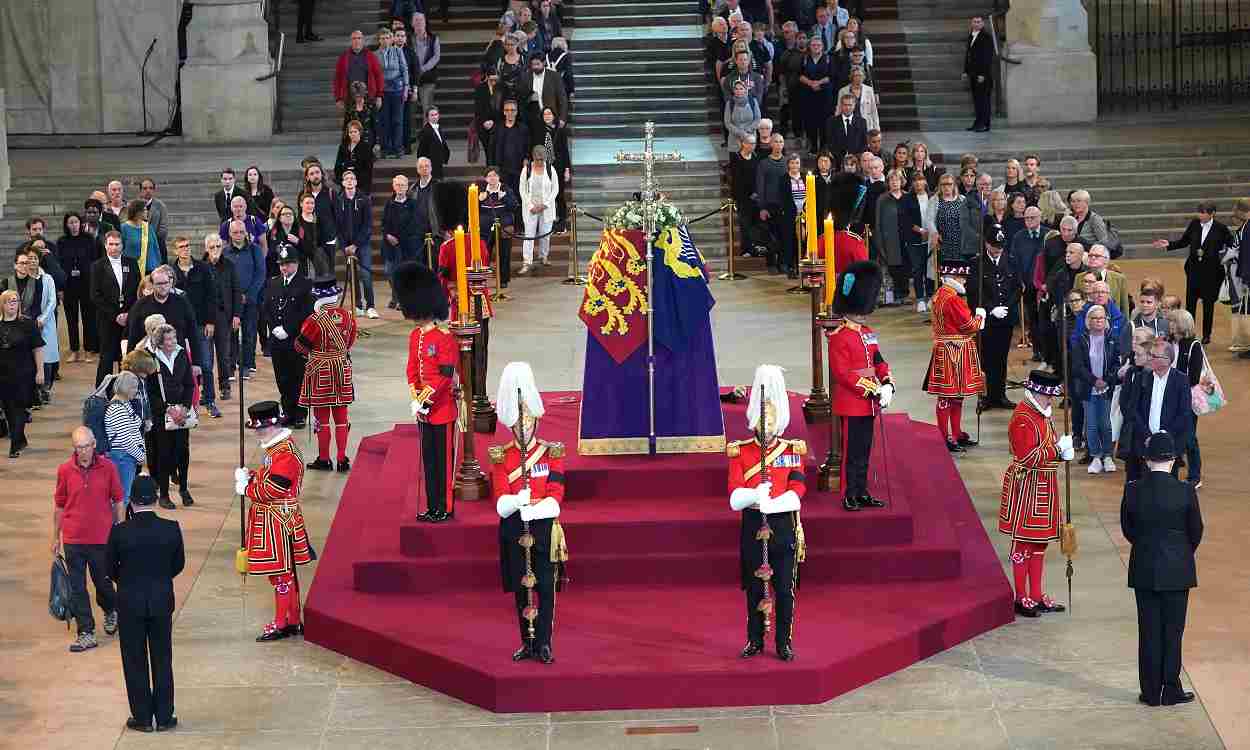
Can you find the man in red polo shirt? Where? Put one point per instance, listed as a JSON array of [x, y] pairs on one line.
[[88, 500]]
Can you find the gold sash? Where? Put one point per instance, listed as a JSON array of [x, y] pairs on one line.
[[534, 458], [768, 460]]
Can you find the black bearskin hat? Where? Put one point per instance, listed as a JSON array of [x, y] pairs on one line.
[[857, 290], [451, 200], [846, 200], [420, 295]]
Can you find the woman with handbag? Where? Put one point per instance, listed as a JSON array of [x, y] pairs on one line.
[[1191, 361], [171, 389], [21, 367]]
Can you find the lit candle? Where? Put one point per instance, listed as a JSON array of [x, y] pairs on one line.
[[831, 271], [462, 277], [475, 227], [809, 209]]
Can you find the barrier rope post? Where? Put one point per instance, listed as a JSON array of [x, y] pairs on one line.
[[429, 251], [500, 295], [574, 278], [732, 275]]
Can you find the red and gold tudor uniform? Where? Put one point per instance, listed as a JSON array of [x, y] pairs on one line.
[[277, 540], [955, 365], [326, 340], [1028, 509], [858, 373], [433, 353], [783, 469], [544, 462]]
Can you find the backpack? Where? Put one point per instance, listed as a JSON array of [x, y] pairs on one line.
[[93, 408], [59, 591]]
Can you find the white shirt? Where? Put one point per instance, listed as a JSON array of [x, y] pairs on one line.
[[438, 134], [973, 40], [1206, 229], [116, 265], [1156, 402], [538, 87]]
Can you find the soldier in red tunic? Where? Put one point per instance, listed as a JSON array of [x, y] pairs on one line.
[[1028, 511], [766, 484], [955, 366], [527, 481], [433, 353], [326, 339], [860, 376], [276, 538]]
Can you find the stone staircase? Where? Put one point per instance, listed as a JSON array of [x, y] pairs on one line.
[[637, 62]]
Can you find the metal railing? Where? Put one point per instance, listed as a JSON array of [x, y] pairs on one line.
[[1156, 56]]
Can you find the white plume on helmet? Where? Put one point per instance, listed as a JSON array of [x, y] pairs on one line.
[[517, 376], [769, 387]]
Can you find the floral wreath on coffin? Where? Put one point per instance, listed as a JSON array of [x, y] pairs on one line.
[[629, 215]]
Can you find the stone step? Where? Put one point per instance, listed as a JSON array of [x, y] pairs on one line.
[[624, 18], [584, 9], [623, 102], [630, 130], [671, 90], [626, 78]]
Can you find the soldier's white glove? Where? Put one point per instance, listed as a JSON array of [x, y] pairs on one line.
[[763, 492], [886, 394], [999, 312], [981, 314], [279, 333], [743, 498], [507, 505], [419, 409], [523, 498], [1066, 452], [242, 475]]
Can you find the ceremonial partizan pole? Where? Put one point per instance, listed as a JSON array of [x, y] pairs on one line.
[[240, 557], [1067, 533]]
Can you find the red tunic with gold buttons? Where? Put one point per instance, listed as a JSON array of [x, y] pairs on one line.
[[276, 538], [1028, 510], [326, 339], [783, 467], [545, 463], [854, 355], [432, 359], [447, 273], [848, 248], [955, 366]]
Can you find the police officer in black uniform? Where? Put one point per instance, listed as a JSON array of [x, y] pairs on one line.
[[145, 554], [288, 302], [1161, 519], [999, 294]]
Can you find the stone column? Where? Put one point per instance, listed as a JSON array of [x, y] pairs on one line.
[[227, 50], [4, 155], [1057, 78]]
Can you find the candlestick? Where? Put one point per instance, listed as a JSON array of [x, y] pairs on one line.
[[475, 227], [831, 269], [809, 210], [462, 279]]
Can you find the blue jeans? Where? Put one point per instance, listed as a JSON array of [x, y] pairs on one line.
[[246, 356], [127, 467], [918, 265], [392, 124], [1098, 424], [364, 275]]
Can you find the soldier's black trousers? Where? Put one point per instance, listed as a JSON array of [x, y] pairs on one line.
[[781, 558], [436, 451], [545, 589], [857, 450]]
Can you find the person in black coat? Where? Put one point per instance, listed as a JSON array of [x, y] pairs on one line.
[[112, 300], [1176, 413], [228, 316], [432, 144], [554, 137], [487, 102], [979, 72], [845, 132], [288, 303], [145, 555], [498, 202], [229, 191], [195, 280], [355, 154], [353, 214], [171, 391], [1206, 240], [168, 301], [999, 294], [1161, 519], [77, 250], [511, 146]]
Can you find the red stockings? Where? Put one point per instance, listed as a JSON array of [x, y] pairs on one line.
[[322, 416]]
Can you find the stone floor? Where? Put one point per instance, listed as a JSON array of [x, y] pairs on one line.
[[1063, 681]]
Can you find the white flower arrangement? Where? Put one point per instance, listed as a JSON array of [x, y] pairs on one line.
[[629, 216]]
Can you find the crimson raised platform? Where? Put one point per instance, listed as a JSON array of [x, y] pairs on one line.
[[653, 616]]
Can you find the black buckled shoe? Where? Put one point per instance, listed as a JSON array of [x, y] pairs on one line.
[[523, 653], [966, 441], [321, 464], [545, 656], [344, 465], [868, 501], [437, 516], [293, 630], [1027, 608], [424, 517], [1050, 605], [272, 633], [850, 503], [785, 652], [751, 649], [954, 447]]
